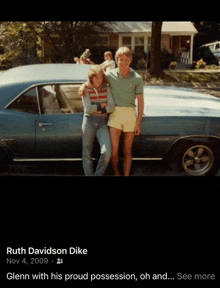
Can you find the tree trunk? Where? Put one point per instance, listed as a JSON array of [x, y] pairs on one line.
[[155, 65]]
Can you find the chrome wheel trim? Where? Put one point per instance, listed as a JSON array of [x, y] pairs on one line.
[[198, 160]]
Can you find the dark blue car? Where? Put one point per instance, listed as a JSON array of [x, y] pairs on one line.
[[41, 116]]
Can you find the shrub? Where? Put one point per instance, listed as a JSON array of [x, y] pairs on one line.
[[166, 58], [142, 64], [200, 64], [173, 65], [140, 60]]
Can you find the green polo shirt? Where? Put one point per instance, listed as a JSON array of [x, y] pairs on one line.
[[125, 90]]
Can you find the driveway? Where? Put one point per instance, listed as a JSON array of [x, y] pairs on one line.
[[139, 168]]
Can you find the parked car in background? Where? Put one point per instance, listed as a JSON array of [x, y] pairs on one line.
[[41, 115], [210, 53]]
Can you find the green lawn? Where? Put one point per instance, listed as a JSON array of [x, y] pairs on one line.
[[185, 76], [197, 76]]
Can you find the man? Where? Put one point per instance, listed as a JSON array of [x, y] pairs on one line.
[[126, 85]]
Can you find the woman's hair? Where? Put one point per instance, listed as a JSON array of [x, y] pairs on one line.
[[108, 53], [93, 71], [123, 50]]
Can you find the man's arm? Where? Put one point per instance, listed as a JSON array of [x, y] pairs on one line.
[[137, 129], [83, 89]]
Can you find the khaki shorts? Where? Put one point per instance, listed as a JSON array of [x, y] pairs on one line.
[[123, 118]]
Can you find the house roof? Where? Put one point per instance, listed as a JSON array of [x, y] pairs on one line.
[[130, 27], [143, 27], [178, 27]]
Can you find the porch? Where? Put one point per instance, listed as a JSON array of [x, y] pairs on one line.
[[181, 46], [185, 57]]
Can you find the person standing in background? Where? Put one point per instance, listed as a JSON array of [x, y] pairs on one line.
[[109, 63]]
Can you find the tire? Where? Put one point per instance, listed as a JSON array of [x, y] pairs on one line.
[[4, 161], [197, 159]]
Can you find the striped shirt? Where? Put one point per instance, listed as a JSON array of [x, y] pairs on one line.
[[94, 98]]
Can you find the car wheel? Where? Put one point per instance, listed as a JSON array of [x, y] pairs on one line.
[[4, 161], [197, 159]]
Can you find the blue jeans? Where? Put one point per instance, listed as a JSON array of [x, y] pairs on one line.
[[93, 126]]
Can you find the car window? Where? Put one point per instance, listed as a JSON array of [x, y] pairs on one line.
[[211, 47], [27, 102], [60, 99]]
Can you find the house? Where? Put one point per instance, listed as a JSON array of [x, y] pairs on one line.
[[176, 38]]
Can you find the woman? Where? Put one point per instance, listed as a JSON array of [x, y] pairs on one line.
[[98, 102], [127, 87]]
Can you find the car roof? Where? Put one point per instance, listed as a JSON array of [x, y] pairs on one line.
[[16, 80], [209, 44], [45, 73]]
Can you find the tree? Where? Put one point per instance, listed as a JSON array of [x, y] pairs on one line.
[[21, 39], [155, 66], [19, 42], [208, 31]]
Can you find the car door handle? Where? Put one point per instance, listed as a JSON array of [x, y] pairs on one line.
[[45, 124]]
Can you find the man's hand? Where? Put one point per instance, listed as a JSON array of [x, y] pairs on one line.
[[82, 90], [103, 105], [137, 130]]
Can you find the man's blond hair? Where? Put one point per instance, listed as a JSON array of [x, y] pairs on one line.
[[123, 50]]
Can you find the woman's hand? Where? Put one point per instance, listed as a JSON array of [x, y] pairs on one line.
[[103, 105]]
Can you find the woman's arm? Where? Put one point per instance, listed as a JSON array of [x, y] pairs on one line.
[[89, 107]]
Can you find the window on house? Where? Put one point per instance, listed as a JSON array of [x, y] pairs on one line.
[[139, 45], [126, 41], [139, 41]]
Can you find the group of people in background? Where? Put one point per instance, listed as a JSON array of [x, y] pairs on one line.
[[109, 109], [107, 65]]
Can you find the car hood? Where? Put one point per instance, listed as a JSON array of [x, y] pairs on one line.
[[175, 101]]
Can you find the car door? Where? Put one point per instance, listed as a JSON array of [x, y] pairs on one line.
[[59, 136], [156, 138], [18, 126], [58, 128]]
